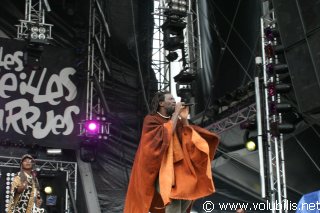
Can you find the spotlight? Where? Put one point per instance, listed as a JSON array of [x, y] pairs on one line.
[[54, 151], [39, 33], [92, 127], [251, 144], [250, 140], [177, 8], [269, 50], [172, 56], [48, 190], [249, 124], [184, 91], [173, 34], [277, 68], [284, 128], [282, 88], [185, 77]]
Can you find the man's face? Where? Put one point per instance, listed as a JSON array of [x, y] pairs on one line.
[[27, 163], [240, 211], [169, 104]]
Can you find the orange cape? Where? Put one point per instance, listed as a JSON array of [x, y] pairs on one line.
[[181, 160]]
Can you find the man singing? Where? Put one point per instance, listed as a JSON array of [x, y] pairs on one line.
[[25, 196], [172, 166]]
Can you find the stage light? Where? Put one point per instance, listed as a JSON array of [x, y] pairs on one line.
[[184, 91], [172, 56], [269, 50], [92, 127], [249, 124], [93, 132], [42, 30], [185, 77], [280, 68], [250, 138], [48, 190], [282, 88], [177, 8], [283, 107], [177, 5], [39, 33], [284, 128], [54, 151], [42, 36], [173, 34], [251, 144], [271, 89]]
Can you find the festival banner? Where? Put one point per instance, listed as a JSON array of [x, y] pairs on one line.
[[40, 104]]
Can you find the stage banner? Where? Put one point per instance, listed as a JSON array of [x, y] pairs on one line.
[[40, 103]]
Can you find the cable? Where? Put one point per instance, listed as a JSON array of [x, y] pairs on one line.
[[138, 58]]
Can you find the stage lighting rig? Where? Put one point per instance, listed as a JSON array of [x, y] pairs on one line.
[[176, 8], [184, 84], [275, 67], [33, 28], [172, 56], [173, 38], [92, 132]]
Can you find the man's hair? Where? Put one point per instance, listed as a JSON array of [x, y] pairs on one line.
[[157, 98]]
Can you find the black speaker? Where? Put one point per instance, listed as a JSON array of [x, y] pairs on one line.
[[305, 75], [300, 35], [288, 21]]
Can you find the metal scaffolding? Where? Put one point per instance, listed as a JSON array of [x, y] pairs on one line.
[[96, 104], [97, 62], [34, 26], [190, 55], [233, 120], [160, 65], [277, 192]]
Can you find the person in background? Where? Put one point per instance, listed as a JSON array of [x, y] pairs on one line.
[[25, 194], [172, 166]]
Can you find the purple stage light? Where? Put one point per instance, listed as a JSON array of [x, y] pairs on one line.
[[272, 106], [270, 69], [92, 127], [269, 50], [271, 89], [269, 34]]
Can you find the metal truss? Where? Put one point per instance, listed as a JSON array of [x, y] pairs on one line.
[[193, 47], [50, 165], [277, 190], [160, 65], [34, 16], [96, 104], [233, 120], [98, 68], [191, 59]]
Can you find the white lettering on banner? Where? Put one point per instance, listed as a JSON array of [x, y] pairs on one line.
[[55, 81], [22, 114], [6, 86], [8, 60]]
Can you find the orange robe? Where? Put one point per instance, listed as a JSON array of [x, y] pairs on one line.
[[181, 160]]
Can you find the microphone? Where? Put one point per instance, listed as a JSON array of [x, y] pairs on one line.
[[188, 104]]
